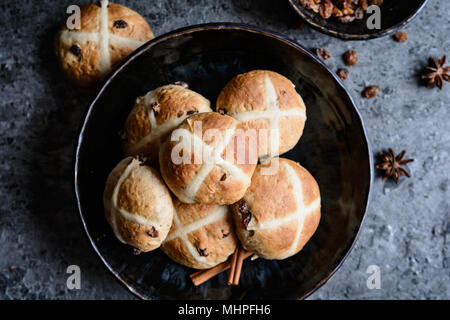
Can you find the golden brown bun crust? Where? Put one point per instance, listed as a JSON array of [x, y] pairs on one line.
[[168, 106], [202, 236], [138, 205], [85, 69], [221, 184], [249, 92], [273, 229]]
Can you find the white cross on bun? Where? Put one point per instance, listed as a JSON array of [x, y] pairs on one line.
[[108, 33], [265, 100], [138, 205], [210, 172], [155, 115], [201, 236], [279, 212]]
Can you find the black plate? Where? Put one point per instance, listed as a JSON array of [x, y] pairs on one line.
[[394, 15], [333, 148]]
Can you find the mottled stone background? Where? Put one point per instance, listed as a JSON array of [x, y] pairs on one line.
[[407, 228]]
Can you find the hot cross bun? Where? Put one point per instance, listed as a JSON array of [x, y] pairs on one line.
[[201, 236], [108, 33], [155, 115], [138, 205], [208, 159], [265, 100], [280, 210]]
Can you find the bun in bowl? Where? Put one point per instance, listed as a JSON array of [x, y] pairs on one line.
[[155, 115], [208, 159], [138, 206], [279, 212], [267, 102], [202, 235]]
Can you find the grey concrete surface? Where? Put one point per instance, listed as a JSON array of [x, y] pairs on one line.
[[407, 229]]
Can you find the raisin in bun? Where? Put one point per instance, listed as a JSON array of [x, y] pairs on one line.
[[155, 115], [138, 205], [200, 163], [266, 100], [280, 210], [201, 236], [108, 33]]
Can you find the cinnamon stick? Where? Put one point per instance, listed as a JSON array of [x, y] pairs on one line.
[[197, 273], [239, 262], [234, 258], [202, 276]]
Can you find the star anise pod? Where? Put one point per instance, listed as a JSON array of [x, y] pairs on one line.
[[393, 164], [437, 73]]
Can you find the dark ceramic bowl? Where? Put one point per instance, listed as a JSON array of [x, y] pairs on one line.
[[394, 15], [333, 148]]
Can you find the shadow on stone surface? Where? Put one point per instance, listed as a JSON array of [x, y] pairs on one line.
[[50, 180]]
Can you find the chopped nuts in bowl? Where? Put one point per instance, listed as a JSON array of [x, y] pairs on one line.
[[355, 19]]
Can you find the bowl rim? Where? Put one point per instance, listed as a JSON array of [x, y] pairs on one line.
[[356, 36], [199, 28]]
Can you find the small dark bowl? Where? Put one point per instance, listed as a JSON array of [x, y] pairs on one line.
[[334, 148], [394, 15]]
